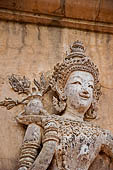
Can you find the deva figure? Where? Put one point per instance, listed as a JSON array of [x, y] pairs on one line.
[[65, 140]]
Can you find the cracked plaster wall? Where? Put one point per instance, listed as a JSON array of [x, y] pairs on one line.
[[30, 49]]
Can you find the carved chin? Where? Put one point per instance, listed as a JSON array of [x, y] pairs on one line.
[[81, 106]]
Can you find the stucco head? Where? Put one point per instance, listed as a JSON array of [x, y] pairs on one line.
[[76, 60]]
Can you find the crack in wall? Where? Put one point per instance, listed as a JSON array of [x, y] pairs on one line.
[[61, 9], [24, 33], [98, 10], [38, 29], [62, 4], [105, 87]]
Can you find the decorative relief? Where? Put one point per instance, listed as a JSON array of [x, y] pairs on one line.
[[64, 140], [21, 85]]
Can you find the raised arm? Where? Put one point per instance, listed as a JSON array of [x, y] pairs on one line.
[[50, 140], [42, 131], [45, 157], [30, 147]]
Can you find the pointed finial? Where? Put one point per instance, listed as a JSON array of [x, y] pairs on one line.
[[76, 50]]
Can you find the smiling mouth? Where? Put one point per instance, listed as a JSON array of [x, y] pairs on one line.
[[84, 96]]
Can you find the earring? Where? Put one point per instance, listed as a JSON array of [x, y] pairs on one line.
[[91, 112]]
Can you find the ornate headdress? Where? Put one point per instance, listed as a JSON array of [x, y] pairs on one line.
[[76, 60]]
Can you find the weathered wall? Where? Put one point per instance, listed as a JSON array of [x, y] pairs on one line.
[[30, 49], [96, 10]]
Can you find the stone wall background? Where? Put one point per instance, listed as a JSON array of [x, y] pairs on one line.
[[27, 49]]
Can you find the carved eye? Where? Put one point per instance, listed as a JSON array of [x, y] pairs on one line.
[[77, 82], [91, 86]]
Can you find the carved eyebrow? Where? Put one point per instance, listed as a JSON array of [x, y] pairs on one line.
[[75, 79], [78, 77], [91, 81]]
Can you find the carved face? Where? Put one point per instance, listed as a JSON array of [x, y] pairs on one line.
[[79, 90]]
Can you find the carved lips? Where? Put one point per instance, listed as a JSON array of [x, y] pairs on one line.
[[84, 96]]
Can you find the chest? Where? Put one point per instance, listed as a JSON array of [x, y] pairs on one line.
[[78, 138], [78, 144]]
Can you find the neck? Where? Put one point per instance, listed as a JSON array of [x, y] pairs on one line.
[[73, 114]]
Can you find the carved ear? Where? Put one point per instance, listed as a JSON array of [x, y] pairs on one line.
[[59, 105], [60, 91]]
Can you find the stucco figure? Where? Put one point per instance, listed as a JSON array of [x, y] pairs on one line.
[[65, 140]]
